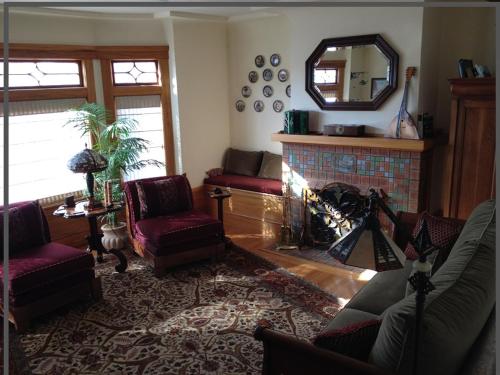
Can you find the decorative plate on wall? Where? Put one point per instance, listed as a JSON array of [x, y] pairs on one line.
[[289, 91], [260, 61], [267, 74], [240, 105], [267, 91], [258, 105], [253, 76], [278, 106], [246, 91], [275, 59], [282, 75]]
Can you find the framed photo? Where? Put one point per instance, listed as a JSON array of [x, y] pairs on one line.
[[378, 84], [466, 68]]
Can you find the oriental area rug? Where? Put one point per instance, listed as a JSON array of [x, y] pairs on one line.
[[196, 319]]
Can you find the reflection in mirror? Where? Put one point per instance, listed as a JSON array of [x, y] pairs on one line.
[[353, 73], [358, 72]]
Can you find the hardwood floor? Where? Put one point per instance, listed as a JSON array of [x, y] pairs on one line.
[[341, 282]]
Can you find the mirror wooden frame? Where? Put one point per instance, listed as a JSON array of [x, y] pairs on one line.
[[383, 46]]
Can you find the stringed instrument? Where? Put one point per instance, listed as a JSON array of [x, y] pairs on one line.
[[403, 125]]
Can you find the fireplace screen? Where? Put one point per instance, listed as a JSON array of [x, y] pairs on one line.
[[333, 211]]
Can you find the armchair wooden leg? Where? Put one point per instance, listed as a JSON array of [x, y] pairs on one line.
[[96, 289]]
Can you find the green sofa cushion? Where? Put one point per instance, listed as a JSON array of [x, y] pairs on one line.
[[454, 313]]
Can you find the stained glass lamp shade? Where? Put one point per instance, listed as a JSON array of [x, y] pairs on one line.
[[88, 161]]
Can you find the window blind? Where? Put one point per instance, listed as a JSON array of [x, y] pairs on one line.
[[146, 110], [40, 146]]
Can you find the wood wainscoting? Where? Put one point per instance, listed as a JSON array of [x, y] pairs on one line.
[[248, 214]]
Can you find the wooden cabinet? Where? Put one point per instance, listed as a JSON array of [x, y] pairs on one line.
[[470, 171]]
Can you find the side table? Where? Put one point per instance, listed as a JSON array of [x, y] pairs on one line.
[[220, 196], [94, 237]]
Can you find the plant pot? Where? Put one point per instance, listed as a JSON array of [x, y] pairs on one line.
[[114, 237]]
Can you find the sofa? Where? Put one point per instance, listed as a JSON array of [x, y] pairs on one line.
[[458, 321], [164, 228], [43, 275]]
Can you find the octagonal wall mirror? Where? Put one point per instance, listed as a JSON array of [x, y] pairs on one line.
[[356, 73]]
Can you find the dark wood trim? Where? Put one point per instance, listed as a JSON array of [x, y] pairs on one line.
[[65, 51], [136, 90], [373, 105], [89, 79], [331, 64], [107, 88], [45, 93]]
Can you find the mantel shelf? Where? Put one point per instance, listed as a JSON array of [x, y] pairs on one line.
[[411, 145]]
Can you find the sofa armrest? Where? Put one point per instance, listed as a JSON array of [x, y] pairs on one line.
[[214, 172], [284, 354]]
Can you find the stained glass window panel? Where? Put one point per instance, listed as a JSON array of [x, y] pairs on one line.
[[135, 72], [31, 74]]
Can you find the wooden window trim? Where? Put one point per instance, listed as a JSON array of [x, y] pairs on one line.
[[105, 54]]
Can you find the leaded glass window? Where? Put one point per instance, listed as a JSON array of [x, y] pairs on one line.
[[43, 73], [135, 72]]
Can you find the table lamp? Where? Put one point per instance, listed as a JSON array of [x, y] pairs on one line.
[[367, 235], [88, 161]]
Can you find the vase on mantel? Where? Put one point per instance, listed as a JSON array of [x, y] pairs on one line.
[[114, 236]]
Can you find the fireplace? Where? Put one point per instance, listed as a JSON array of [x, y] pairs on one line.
[[400, 168]]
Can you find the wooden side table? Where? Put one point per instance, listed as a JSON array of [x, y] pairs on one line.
[[94, 237], [220, 208]]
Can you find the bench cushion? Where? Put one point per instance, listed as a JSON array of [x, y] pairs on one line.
[[163, 235], [41, 265], [259, 185]]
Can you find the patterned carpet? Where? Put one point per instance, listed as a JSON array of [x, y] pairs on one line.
[[197, 319]]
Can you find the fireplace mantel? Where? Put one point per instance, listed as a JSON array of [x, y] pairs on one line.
[[410, 145]]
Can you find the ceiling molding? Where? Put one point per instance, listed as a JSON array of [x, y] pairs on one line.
[[189, 16], [254, 15], [58, 12]]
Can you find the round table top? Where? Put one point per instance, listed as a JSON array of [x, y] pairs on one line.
[[80, 210]]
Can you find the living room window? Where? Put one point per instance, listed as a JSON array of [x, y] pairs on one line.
[[325, 76], [47, 80]]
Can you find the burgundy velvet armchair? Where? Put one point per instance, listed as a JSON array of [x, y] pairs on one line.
[[163, 226], [43, 275]]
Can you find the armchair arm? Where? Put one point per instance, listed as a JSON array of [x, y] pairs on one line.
[[284, 354], [214, 172]]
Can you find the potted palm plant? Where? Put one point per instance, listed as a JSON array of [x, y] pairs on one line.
[[113, 140]]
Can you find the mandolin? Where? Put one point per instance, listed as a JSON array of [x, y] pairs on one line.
[[403, 125]]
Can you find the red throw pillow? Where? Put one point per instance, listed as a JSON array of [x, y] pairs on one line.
[[355, 340], [443, 232], [164, 197]]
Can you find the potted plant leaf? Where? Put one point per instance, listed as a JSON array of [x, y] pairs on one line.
[[114, 141]]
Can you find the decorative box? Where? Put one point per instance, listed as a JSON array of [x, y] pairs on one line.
[[344, 130]]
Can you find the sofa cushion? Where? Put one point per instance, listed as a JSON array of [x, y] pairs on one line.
[[454, 313], [26, 227], [443, 233], [271, 166], [43, 264], [163, 197], [383, 290], [173, 232], [259, 185], [245, 163], [355, 340]]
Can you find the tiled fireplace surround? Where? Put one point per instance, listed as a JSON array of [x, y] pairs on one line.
[[402, 175]]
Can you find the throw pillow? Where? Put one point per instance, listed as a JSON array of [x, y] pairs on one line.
[[245, 163], [443, 232], [271, 166], [26, 227], [355, 340], [163, 197]]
